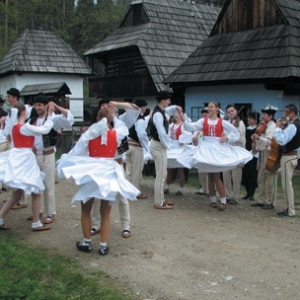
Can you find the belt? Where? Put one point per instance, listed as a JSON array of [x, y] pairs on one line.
[[48, 152], [291, 153], [135, 144], [119, 161]]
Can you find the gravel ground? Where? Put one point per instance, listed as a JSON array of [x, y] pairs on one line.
[[190, 252]]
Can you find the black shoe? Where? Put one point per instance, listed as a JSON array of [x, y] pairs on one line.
[[103, 250], [84, 248], [284, 213], [257, 204], [166, 191], [268, 206], [246, 197]]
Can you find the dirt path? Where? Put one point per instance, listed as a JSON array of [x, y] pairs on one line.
[[190, 252]]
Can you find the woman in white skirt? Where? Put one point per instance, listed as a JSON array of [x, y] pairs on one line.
[[177, 147], [19, 169], [92, 166], [214, 154]]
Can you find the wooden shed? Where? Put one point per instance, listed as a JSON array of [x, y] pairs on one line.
[[154, 38], [251, 58]]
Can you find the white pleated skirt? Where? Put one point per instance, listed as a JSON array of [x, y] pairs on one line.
[[211, 156], [101, 178], [19, 170]]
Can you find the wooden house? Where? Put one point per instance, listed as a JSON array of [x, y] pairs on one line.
[[251, 58], [154, 38], [41, 61]]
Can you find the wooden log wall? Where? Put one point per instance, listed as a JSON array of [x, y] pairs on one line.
[[124, 86], [243, 15], [126, 62]]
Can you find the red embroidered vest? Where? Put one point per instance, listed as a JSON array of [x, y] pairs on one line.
[[20, 140], [96, 149], [178, 132], [175, 133], [212, 130]]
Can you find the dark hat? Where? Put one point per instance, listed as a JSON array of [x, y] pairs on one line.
[[13, 92], [1, 100], [254, 115], [140, 102], [41, 98], [163, 95], [269, 109], [204, 110]]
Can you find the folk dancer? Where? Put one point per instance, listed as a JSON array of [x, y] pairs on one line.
[[92, 165], [177, 147], [267, 182], [129, 117], [13, 97], [44, 148], [232, 179], [215, 154], [160, 142], [19, 169], [4, 144], [289, 138], [138, 143]]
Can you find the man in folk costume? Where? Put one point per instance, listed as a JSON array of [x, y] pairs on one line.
[[232, 179], [250, 169], [267, 182], [289, 138], [137, 140], [44, 148], [159, 131], [129, 118]]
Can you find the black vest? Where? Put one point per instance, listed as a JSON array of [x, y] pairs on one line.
[[249, 142], [132, 132], [294, 143], [124, 142], [49, 139], [152, 129]]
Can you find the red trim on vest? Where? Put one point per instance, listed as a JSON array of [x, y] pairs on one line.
[[20, 140], [178, 131], [96, 149], [212, 130]]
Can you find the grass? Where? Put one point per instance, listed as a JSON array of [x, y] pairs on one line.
[[32, 273]]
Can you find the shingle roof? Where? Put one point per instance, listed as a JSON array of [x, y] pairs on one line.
[[174, 31], [40, 51], [47, 88], [264, 53]]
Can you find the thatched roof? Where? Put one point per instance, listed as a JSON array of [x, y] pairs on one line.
[[40, 51], [172, 31], [270, 52]]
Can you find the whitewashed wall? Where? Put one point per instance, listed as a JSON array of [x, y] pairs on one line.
[[74, 82], [255, 94]]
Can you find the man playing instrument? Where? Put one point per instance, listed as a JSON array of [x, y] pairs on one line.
[[289, 138], [267, 182]]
